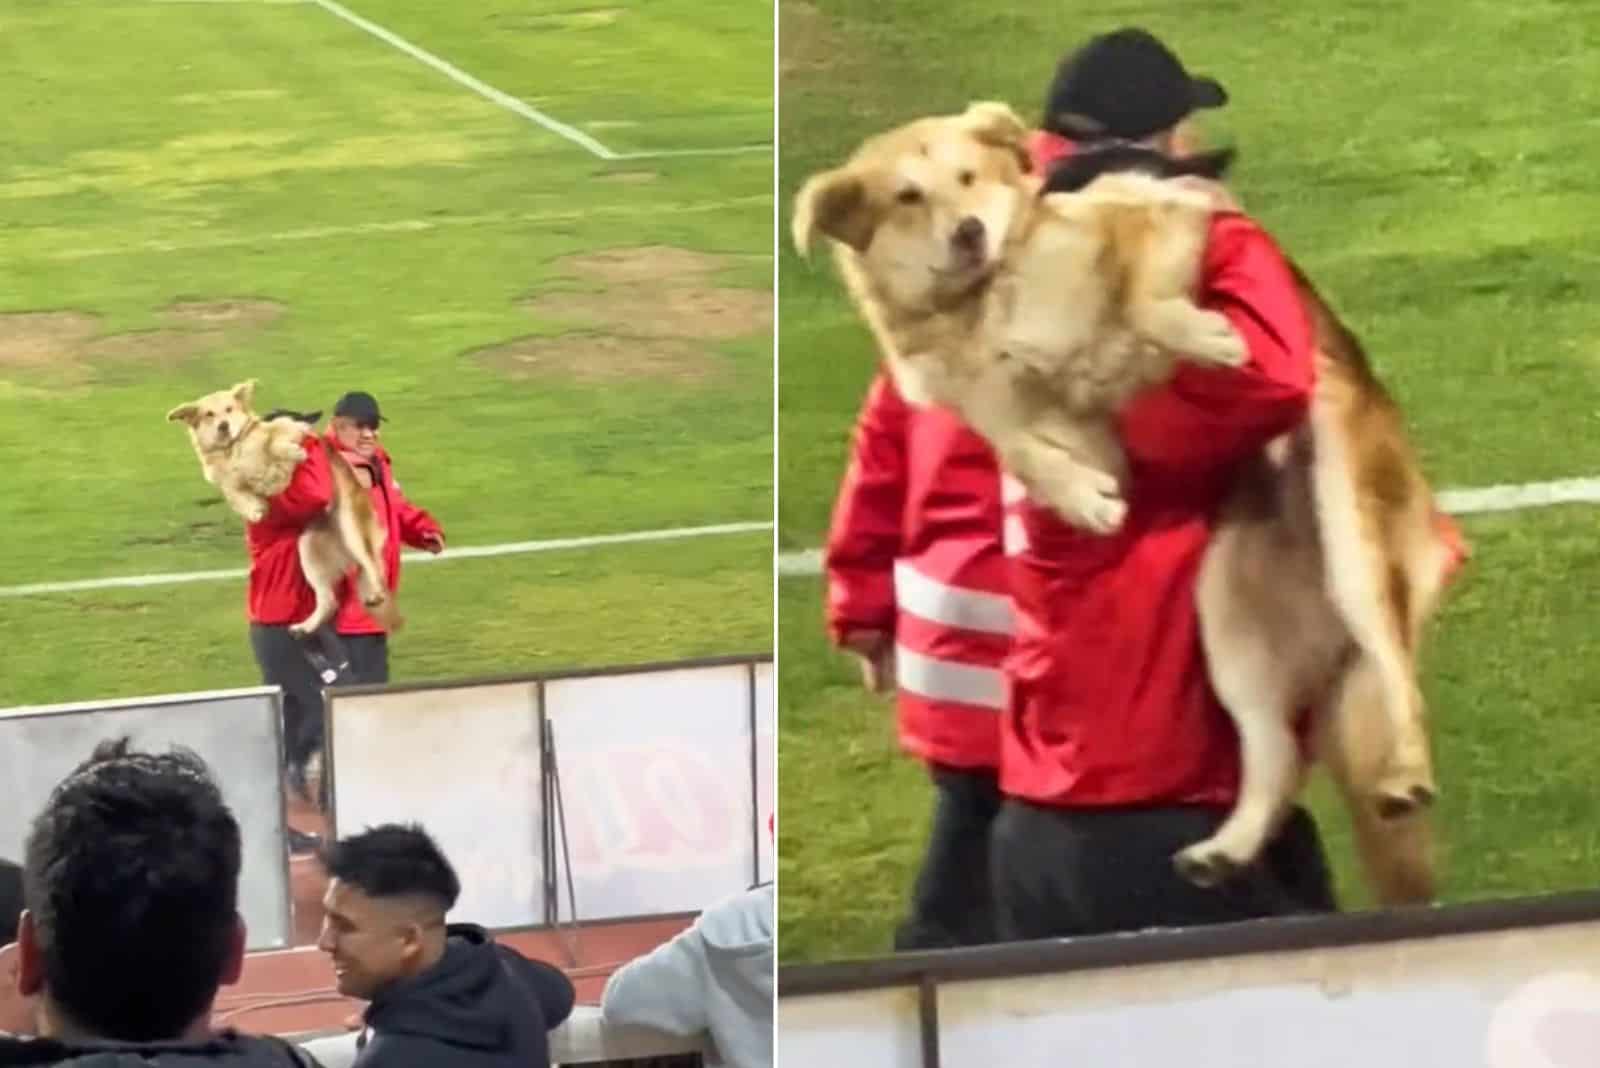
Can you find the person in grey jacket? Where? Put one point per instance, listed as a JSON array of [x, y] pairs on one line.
[[714, 978]]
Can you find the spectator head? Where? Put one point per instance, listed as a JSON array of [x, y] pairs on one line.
[[16, 1011], [389, 890], [130, 880], [10, 900]]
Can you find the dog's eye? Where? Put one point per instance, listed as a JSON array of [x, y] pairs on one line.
[[909, 196], [967, 177]]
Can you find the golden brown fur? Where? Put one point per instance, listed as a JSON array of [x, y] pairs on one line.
[[1034, 318], [1326, 564], [251, 460]]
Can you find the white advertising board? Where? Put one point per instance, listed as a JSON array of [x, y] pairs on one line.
[[236, 732], [656, 780], [766, 770], [1511, 998], [465, 763]]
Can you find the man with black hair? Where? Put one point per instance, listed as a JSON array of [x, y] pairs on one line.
[[10, 900], [438, 993], [130, 880]]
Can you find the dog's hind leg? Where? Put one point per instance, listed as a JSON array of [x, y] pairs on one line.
[[363, 539], [318, 552], [1256, 683], [1354, 743], [1372, 589]]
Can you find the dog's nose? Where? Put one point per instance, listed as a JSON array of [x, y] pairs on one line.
[[969, 232], [222, 428]]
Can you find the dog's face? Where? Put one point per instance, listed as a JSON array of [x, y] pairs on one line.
[[927, 206], [217, 419]]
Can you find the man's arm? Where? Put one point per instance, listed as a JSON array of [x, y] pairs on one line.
[[309, 492], [665, 989], [418, 528], [547, 984], [864, 537], [1207, 419]]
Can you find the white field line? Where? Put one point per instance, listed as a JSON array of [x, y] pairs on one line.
[[1503, 498], [409, 226], [509, 549], [511, 103]]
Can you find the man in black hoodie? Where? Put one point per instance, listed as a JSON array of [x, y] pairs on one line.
[[10, 900], [439, 994], [130, 879]]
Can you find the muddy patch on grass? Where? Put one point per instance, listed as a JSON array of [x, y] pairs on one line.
[[161, 348], [201, 530], [809, 42], [247, 313], [657, 264], [30, 340], [658, 317], [700, 314], [598, 358], [71, 345]]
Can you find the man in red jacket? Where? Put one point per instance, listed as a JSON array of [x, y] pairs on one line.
[[354, 431], [916, 586], [1115, 751], [278, 595]]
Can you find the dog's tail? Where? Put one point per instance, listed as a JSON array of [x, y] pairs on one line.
[[1375, 518], [363, 539], [1398, 856]]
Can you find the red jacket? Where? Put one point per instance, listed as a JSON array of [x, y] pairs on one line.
[[1111, 704], [915, 551], [395, 513], [278, 594]]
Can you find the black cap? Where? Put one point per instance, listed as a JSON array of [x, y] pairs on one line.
[[1126, 85], [362, 407]]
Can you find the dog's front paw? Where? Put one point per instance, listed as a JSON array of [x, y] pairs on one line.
[[1092, 501], [1216, 341], [253, 511]]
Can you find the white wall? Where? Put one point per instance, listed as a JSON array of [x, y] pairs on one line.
[[1525, 998]]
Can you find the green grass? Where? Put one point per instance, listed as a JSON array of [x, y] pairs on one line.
[[162, 152], [1441, 197]]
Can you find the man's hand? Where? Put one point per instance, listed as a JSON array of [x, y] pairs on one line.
[[433, 542], [875, 649]]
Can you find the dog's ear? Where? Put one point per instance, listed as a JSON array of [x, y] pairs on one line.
[[245, 392], [994, 123], [997, 125], [184, 413], [834, 203]]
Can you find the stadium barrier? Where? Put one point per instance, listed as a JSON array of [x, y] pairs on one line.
[[583, 1039], [237, 732], [570, 796], [1504, 984]]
